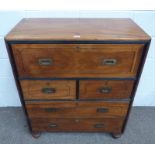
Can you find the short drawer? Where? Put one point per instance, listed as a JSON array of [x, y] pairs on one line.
[[68, 109], [48, 89], [105, 89], [77, 60], [77, 124]]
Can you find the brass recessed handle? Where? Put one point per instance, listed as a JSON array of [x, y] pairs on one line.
[[105, 90], [102, 110], [45, 61], [99, 125], [48, 90], [109, 62], [51, 125], [51, 109]]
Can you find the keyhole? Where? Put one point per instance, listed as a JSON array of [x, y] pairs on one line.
[[77, 120]]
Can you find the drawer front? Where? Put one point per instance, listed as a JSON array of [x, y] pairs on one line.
[[77, 124], [76, 109], [77, 60], [105, 89], [48, 89]]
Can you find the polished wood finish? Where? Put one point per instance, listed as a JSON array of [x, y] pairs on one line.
[[77, 29], [78, 124], [83, 60], [69, 109], [34, 89], [77, 74], [105, 89]]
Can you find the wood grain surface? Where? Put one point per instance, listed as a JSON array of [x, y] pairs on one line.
[[77, 29], [74, 60], [69, 109], [38, 89], [78, 124], [106, 89]]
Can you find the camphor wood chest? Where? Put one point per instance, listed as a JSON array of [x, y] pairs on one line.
[[77, 75]]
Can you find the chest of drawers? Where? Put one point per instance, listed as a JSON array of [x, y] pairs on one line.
[[77, 75]]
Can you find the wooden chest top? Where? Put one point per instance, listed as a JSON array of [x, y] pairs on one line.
[[77, 29]]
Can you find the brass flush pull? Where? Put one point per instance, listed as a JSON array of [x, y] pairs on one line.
[[52, 125], [48, 90], [109, 62], [45, 62], [105, 90], [51, 109], [99, 125], [102, 110]]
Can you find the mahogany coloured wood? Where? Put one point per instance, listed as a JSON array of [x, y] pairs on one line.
[[38, 89], [77, 29], [106, 89], [82, 60], [78, 124], [69, 109]]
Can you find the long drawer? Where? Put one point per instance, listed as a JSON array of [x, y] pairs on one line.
[[48, 89], [77, 60], [105, 89], [70, 109], [77, 124]]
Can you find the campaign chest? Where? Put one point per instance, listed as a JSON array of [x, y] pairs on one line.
[[77, 75]]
